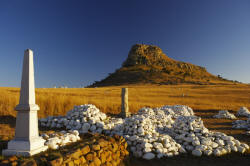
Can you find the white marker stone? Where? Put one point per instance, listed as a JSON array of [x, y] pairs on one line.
[[26, 141]]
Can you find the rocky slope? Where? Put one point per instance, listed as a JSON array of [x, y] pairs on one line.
[[147, 64]]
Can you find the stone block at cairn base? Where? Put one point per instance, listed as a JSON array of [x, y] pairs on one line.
[[24, 147]]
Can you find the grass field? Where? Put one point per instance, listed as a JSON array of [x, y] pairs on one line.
[[199, 97], [206, 100]]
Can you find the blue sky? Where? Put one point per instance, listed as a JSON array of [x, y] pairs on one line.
[[80, 41]]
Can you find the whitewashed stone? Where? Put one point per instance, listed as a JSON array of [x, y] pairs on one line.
[[196, 142], [214, 145], [245, 146], [189, 147], [234, 148], [177, 110], [149, 156], [147, 149], [224, 114], [138, 154], [243, 111], [241, 149], [75, 132], [182, 150], [217, 152], [160, 155], [208, 152], [242, 124], [63, 138], [196, 153], [93, 128]]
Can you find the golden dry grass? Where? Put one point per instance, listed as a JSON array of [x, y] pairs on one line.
[[199, 97], [206, 100]]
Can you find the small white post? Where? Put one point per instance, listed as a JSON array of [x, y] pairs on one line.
[[26, 141]]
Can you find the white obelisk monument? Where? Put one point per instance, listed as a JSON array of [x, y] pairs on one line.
[[26, 141]]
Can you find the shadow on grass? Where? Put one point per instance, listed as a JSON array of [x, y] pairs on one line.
[[3, 145], [206, 111], [186, 160], [224, 123], [220, 128], [206, 114], [8, 119], [211, 111]]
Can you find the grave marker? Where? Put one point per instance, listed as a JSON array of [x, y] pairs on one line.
[[26, 141], [124, 107]]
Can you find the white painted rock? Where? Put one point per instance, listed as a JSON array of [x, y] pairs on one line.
[[149, 156], [56, 140], [224, 114], [177, 110], [196, 153], [217, 152], [242, 124], [243, 111], [241, 149], [208, 152]]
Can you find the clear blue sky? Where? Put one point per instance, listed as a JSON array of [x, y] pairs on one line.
[[76, 42]]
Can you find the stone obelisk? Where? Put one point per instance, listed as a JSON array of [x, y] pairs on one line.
[[26, 141]]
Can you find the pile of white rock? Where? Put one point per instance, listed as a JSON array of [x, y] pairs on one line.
[[83, 118], [56, 140], [242, 124], [190, 132], [224, 114], [177, 110], [151, 133], [243, 111], [144, 134]]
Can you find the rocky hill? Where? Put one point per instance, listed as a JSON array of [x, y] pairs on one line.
[[147, 64]]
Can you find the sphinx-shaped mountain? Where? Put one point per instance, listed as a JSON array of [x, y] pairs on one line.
[[147, 64]]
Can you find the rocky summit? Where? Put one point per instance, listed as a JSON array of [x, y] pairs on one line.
[[148, 64]]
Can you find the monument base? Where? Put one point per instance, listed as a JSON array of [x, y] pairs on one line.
[[25, 148]]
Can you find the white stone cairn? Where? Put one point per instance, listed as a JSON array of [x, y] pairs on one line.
[[60, 139], [124, 103], [243, 111], [176, 110], [242, 124], [26, 141], [190, 132], [151, 133], [224, 114]]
